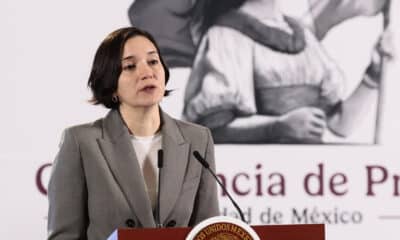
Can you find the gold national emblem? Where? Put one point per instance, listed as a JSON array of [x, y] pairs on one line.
[[223, 231]]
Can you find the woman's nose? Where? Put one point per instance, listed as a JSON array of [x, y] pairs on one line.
[[145, 71]]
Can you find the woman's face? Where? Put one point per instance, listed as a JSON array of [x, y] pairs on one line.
[[142, 79]]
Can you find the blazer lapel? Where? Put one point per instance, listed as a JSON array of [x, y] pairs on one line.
[[176, 153], [121, 158]]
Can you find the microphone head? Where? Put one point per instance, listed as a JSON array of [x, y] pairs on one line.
[[160, 158], [203, 162]]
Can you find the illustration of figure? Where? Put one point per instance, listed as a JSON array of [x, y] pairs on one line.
[[262, 77]]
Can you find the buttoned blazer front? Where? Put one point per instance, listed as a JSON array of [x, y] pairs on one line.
[[97, 185]]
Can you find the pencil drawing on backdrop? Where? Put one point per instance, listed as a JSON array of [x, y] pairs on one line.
[[260, 75]]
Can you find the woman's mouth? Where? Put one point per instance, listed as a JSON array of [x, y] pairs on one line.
[[148, 89]]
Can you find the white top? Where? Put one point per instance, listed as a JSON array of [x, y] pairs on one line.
[[231, 70], [146, 149]]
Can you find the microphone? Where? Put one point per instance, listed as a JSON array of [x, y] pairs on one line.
[[205, 164], [160, 162]]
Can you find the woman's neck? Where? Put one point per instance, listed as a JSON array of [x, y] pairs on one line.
[[262, 9], [141, 121]]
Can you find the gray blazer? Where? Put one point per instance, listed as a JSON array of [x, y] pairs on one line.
[[97, 186]]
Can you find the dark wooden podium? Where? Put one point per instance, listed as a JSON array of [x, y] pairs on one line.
[[270, 232]]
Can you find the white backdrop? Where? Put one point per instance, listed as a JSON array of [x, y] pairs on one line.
[[47, 49]]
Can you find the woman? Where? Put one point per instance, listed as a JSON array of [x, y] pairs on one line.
[[260, 76], [105, 175]]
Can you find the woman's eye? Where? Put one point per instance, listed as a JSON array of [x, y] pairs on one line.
[[153, 62], [129, 67]]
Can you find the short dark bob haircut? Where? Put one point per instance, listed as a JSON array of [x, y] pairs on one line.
[[107, 65]]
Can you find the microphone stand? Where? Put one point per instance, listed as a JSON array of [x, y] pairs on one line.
[[160, 163], [207, 166]]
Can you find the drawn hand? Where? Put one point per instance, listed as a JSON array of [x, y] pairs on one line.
[[383, 50], [304, 125]]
